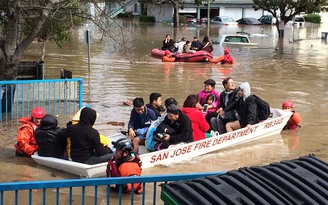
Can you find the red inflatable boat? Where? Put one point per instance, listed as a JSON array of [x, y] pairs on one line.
[[198, 56]]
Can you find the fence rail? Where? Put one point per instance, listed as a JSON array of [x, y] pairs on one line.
[[55, 192], [55, 96]]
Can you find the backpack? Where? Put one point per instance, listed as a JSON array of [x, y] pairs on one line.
[[263, 108]]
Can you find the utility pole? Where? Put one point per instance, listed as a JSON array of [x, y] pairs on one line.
[[208, 17]]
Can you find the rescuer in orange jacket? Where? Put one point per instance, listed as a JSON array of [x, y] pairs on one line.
[[26, 144], [224, 59], [124, 164], [168, 56], [295, 119]]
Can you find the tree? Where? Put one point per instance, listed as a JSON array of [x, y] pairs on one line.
[[285, 10], [25, 21]]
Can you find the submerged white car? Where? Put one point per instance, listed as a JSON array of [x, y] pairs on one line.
[[234, 39], [224, 20]]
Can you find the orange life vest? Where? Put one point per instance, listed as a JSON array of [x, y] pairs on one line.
[[130, 166], [227, 59]]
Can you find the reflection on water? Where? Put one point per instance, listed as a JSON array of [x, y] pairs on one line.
[[299, 74]]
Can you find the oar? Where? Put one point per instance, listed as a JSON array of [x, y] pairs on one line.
[[116, 123], [128, 103]]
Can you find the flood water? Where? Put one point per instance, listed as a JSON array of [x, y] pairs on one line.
[[299, 74]]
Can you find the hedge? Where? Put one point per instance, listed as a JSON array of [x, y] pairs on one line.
[[312, 18]]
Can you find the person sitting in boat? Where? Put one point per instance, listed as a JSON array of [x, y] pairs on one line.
[[195, 44], [85, 141], [206, 45], [186, 48], [295, 119], [140, 120], [226, 58], [180, 123], [168, 56], [155, 103], [50, 138], [180, 45], [168, 43], [124, 164], [228, 98], [209, 88], [75, 119], [198, 123], [209, 101], [246, 109], [150, 142], [26, 144]]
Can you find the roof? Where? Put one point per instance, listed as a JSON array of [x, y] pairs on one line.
[[299, 181]]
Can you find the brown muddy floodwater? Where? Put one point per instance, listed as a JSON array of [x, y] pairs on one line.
[[299, 74]]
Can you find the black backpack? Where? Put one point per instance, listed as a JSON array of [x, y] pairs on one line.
[[263, 108]]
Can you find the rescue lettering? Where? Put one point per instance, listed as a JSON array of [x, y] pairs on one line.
[[273, 123]]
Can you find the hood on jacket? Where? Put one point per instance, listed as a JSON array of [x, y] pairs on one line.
[[88, 116], [25, 119], [247, 90], [48, 122]]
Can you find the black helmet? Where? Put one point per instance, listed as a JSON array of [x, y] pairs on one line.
[[123, 144]]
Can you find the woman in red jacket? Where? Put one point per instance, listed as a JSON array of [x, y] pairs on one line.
[[198, 122]]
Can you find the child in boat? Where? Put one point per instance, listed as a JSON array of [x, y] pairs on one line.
[[295, 119], [124, 164], [209, 101], [187, 48]]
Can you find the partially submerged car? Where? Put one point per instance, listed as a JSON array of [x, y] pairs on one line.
[[249, 21], [267, 19], [190, 18], [234, 39], [223, 20]]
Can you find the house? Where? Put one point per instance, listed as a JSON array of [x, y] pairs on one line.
[[233, 8], [164, 12]]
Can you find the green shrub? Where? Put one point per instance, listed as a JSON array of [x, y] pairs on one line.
[[147, 19], [312, 18], [125, 15]]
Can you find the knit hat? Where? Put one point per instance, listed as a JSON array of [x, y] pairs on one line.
[[210, 82], [226, 51], [173, 109]]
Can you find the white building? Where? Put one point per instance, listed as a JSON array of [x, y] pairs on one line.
[[233, 8]]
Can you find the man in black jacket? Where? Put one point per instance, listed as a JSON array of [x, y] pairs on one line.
[[85, 140], [180, 123], [50, 138]]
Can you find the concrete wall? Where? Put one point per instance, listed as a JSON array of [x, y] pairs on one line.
[[161, 12]]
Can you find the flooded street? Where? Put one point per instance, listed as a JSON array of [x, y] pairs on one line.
[[299, 74]]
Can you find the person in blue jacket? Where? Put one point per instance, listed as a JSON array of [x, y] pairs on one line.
[[140, 120]]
